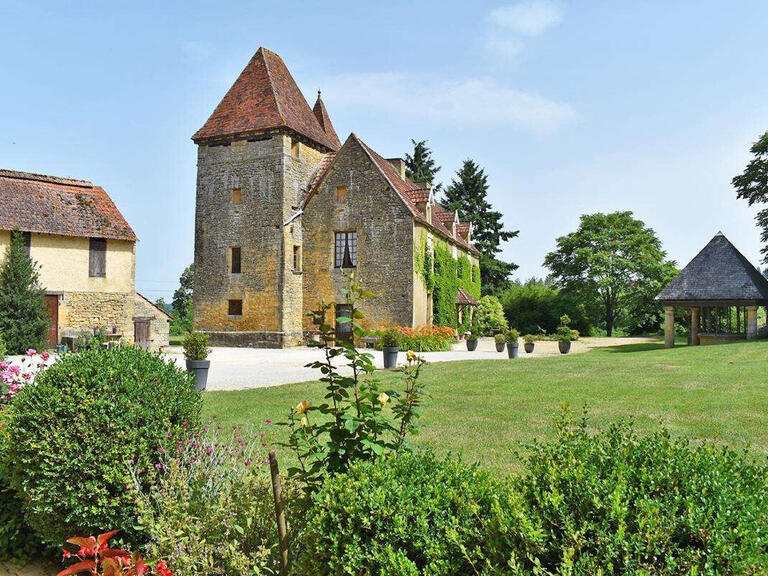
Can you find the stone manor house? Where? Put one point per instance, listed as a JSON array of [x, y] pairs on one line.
[[285, 212]]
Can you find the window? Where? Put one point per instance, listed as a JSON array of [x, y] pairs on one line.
[[341, 192], [97, 258], [297, 258], [346, 250], [235, 260], [294, 148], [26, 237], [237, 195], [235, 307]]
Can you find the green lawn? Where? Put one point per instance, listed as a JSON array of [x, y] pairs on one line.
[[483, 408]]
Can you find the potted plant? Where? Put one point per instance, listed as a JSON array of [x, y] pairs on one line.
[[196, 353], [565, 335], [501, 342], [472, 340], [389, 346], [513, 346], [530, 342]]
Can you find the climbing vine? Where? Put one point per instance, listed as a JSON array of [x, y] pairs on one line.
[[442, 275]]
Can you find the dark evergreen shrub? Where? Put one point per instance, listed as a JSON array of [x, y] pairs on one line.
[[75, 434]]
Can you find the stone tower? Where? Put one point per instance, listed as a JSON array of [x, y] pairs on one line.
[[257, 155]]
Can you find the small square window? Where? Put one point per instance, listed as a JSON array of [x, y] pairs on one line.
[[294, 148], [235, 263], [341, 192], [297, 258], [346, 250], [237, 195], [235, 307]]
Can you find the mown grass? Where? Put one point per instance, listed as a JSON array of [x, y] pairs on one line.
[[484, 409]]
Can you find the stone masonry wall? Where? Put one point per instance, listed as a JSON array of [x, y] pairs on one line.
[[159, 325], [385, 241], [84, 310]]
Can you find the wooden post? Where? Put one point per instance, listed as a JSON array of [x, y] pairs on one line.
[[669, 326], [694, 326], [751, 322], [282, 529]]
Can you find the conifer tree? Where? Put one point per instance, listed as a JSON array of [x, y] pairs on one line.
[[467, 194], [24, 317], [420, 166]]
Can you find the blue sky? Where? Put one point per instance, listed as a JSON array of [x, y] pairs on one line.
[[571, 107]]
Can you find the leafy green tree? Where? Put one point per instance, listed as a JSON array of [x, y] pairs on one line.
[[535, 307], [182, 302], [752, 186], [612, 261], [24, 317], [489, 316], [467, 194], [420, 166], [163, 305]]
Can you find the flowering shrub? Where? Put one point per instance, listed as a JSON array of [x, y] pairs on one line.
[[360, 421], [420, 339], [94, 556], [68, 439], [210, 510], [14, 376]]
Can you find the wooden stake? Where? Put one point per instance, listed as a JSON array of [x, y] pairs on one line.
[[282, 530]]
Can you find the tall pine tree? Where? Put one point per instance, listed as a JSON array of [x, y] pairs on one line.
[[24, 317], [420, 166], [467, 194]]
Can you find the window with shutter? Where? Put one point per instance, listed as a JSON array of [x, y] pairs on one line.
[[97, 258], [235, 307]]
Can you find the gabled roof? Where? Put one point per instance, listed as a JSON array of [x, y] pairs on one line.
[[264, 97], [155, 306], [325, 121], [464, 299], [718, 272], [63, 206], [409, 192]]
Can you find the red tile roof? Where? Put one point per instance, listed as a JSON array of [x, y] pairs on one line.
[[264, 97], [63, 206], [421, 195], [465, 299], [325, 121]]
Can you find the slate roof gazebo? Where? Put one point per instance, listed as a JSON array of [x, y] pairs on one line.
[[722, 290]]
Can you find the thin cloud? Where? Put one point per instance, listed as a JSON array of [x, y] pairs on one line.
[[465, 103], [528, 18]]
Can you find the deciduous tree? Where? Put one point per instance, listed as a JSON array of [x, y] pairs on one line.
[[752, 185]]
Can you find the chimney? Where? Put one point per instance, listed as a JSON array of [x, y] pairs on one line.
[[399, 165]]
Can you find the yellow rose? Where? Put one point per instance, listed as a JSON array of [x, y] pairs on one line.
[[382, 398], [411, 355], [302, 407], [303, 421]]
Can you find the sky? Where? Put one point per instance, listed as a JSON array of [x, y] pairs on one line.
[[570, 107]]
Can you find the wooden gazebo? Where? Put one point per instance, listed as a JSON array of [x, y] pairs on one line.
[[722, 290]]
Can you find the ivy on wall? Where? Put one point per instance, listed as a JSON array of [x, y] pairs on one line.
[[442, 275]]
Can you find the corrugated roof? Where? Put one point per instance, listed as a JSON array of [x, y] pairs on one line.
[[63, 206], [718, 272]]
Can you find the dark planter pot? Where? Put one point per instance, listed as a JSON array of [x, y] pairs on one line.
[[529, 347], [500, 346], [199, 369], [512, 349], [390, 356], [471, 345], [565, 347]]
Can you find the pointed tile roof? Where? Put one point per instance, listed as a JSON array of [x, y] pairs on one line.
[[325, 121], [463, 298], [264, 97], [61, 206], [718, 272]]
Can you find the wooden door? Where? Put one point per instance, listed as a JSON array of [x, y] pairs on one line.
[[52, 303], [343, 329], [141, 334]]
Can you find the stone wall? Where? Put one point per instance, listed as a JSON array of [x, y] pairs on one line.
[[384, 229], [80, 311], [160, 322], [271, 184]]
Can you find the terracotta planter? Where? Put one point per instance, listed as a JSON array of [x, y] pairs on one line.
[[471, 345], [529, 347], [199, 369], [564, 347], [512, 349], [390, 356]]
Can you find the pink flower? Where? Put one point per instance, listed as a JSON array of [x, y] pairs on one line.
[[45, 355], [31, 352], [159, 466], [268, 421]]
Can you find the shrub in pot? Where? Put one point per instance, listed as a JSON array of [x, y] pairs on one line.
[[529, 343], [389, 347], [472, 337], [196, 353], [501, 342], [565, 335], [72, 437], [513, 346]]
